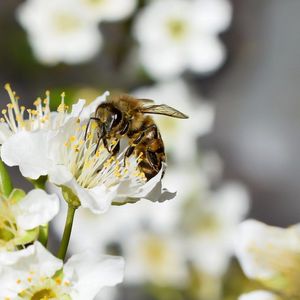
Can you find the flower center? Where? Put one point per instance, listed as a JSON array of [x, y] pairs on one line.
[[43, 295], [95, 2], [44, 288], [155, 251], [283, 262], [65, 23], [208, 223], [38, 118], [199, 219], [176, 28], [92, 164]]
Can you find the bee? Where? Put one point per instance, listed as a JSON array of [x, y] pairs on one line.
[[126, 116]]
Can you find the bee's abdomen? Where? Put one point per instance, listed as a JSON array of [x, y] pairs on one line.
[[147, 169], [153, 155]]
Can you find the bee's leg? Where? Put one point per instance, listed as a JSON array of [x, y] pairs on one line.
[[100, 135], [88, 126], [152, 159], [128, 152], [116, 149], [131, 148], [105, 143], [97, 146], [125, 128]]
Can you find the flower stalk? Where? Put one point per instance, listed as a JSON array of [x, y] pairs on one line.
[[6, 186], [38, 183], [44, 234], [67, 232]]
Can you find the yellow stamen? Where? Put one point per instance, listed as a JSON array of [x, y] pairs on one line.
[[37, 102]]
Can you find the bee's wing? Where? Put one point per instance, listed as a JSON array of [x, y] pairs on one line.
[[163, 110], [146, 100]]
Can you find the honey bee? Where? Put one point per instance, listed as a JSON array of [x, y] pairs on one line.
[[126, 116]]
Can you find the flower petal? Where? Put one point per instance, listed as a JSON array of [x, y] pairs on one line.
[[91, 108], [163, 62], [112, 10], [28, 150], [9, 258], [35, 258], [259, 295], [5, 132], [77, 108], [36, 208], [59, 175], [89, 273], [205, 54], [42, 261], [152, 189], [97, 199], [212, 16]]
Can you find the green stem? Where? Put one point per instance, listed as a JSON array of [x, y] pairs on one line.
[[44, 234], [6, 186], [38, 183], [67, 232]]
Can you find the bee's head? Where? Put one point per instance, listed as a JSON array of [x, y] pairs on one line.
[[109, 115]]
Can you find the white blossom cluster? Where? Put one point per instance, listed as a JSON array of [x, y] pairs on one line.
[[198, 226], [67, 30], [173, 36], [53, 148], [183, 244]]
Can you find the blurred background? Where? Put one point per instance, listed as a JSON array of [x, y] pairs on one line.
[[235, 61]]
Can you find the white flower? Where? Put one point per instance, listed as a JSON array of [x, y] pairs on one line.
[[270, 254], [20, 218], [209, 218], [135, 229], [175, 35], [16, 119], [59, 31], [72, 161], [108, 10], [34, 127], [97, 178], [197, 226], [177, 134], [259, 295], [217, 222], [107, 293], [155, 257], [40, 275], [98, 232]]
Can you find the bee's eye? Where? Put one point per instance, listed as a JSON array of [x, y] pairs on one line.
[[117, 117], [113, 120]]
